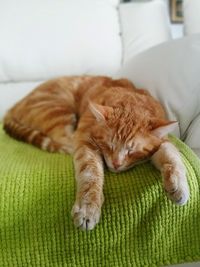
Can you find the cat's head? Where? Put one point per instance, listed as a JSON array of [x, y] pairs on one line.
[[125, 141]]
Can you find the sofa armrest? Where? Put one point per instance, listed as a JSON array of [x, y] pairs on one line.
[[170, 71], [192, 135]]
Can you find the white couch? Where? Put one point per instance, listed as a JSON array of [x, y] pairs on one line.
[[49, 38]]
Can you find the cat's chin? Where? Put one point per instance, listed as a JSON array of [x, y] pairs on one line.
[[122, 169]]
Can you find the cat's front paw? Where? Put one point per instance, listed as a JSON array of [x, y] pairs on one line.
[[86, 215], [175, 184]]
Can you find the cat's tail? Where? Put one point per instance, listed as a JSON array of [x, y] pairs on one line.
[[35, 137]]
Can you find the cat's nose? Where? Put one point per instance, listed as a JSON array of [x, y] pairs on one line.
[[116, 164]]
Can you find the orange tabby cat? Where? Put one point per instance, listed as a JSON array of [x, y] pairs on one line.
[[96, 119]]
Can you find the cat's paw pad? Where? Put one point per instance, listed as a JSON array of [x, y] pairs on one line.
[[176, 186], [86, 216]]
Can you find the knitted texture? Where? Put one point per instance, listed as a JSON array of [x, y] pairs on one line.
[[139, 225]]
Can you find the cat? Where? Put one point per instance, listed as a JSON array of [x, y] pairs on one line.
[[99, 119]]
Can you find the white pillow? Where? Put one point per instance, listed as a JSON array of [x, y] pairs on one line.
[[191, 10], [171, 72], [144, 24], [48, 38]]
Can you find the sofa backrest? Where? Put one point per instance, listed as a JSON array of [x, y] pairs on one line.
[[49, 38]]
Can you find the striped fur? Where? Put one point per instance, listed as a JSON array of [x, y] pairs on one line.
[[98, 119]]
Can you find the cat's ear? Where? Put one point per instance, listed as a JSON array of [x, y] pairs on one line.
[[100, 112], [161, 128]]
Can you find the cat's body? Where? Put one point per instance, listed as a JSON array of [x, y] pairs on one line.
[[96, 119]]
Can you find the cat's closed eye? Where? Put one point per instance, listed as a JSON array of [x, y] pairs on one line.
[[130, 148], [112, 146], [130, 151]]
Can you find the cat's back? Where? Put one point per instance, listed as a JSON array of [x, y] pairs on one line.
[[47, 116], [55, 91], [122, 93]]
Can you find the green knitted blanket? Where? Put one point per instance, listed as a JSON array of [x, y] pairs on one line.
[[139, 225]]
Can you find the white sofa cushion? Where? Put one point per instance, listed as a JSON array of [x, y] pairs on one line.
[[191, 10], [170, 72], [43, 39], [143, 25]]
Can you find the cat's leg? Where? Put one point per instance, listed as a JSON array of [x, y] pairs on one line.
[[89, 178], [168, 160]]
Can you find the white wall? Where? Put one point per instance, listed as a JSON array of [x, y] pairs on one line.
[[176, 28]]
